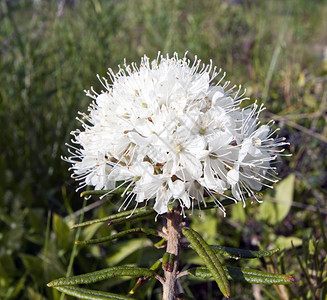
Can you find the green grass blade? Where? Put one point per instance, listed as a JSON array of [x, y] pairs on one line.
[[210, 259], [82, 293], [74, 251], [322, 227], [109, 238], [274, 59], [247, 275], [102, 275], [46, 242]]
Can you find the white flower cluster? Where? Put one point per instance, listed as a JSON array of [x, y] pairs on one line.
[[165, 128]]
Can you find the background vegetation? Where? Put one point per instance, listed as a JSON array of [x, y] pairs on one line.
[[50, 51]]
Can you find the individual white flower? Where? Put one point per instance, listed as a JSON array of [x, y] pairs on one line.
[[169, 132]]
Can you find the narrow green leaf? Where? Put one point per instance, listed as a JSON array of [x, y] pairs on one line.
[[82, 293], [247, 275], [168, 261], [130, 218], [19, 285], [162, 243], [210, 259], [103, 192], [109, 238], [322, 227], [102, 275], [156, 265], [141, 281], [240, 253], [304, 270], [74, 251], [125, 215], [165, 259], [323, 293]]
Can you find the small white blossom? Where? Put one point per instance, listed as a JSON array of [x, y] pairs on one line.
[[168, 131]]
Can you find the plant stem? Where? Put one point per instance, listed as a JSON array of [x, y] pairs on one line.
[[174, 226]]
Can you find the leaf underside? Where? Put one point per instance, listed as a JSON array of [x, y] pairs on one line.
[[209, 258], [102, 275], [82, 293], [246, 275]]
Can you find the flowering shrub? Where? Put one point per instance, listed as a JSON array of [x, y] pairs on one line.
[[172, 131], [168, 130]]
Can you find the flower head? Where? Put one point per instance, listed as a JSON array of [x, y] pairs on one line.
[[171, 131]]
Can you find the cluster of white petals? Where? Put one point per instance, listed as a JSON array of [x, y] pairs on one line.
[[171, 133]]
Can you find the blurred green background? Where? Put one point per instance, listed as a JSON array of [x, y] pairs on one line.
[[50, 51]]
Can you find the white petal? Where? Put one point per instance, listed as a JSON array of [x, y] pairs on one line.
[[233, 176]]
